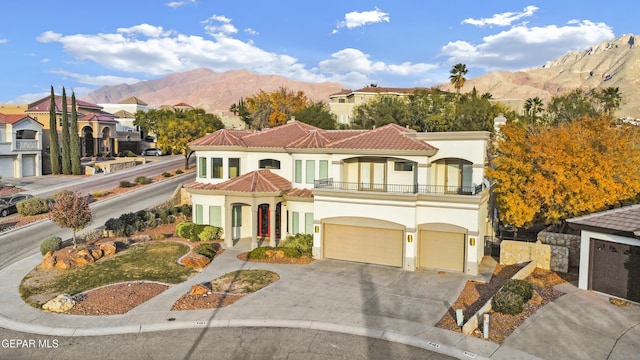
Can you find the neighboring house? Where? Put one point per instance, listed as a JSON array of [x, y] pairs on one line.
[[342, 103], [125, 114], [610, 252], [386, 196], [20, 146]]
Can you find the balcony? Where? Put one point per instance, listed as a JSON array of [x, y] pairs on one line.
[[27, 145], [329, 184]]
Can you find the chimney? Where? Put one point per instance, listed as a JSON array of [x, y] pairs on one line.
[[498, 122], [293, 119]]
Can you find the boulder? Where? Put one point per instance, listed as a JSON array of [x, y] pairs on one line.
[[279, 254], [199, 289], [195, 261], [108, 248], [269, 253], [96, 253], [61, 303], [48, 262], [82, 258], [62, 264]]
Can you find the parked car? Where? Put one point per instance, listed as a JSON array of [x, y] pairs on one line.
[[152, 152], [8, 203]]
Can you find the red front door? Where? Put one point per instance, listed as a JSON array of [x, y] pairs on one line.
[[263, 220]]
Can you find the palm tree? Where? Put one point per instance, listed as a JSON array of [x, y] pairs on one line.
[[610, 98], [533, 106], [457, 76]]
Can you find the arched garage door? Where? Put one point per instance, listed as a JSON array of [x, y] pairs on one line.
[[371, 245], [442, 250]]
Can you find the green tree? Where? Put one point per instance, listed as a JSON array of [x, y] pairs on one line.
[[533, 107], [70, 210], [240, 109], [64, 124], [610, 99], [175, 130], [74, 141], [473, 113], [318, 115], [381, 110], [457, 78], [54, 147], [571, 106]]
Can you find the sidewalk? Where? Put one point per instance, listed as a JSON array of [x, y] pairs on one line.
[[352, 298]]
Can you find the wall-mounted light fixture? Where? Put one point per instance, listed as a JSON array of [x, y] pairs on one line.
[[316, 229], [409, 238], [472, 241]]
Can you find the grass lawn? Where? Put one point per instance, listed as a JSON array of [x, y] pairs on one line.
[[149, 261]]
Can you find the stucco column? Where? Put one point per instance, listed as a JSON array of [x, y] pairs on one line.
[[228, 226], [18, 169], [272, 224], [254, 226]]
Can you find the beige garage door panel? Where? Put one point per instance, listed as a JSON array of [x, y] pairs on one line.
[[442, 250], [363, 244]]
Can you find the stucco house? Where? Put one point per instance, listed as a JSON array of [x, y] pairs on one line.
[[20, 146], [610, 252], [387, 196]]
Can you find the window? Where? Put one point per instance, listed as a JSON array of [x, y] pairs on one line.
[[216, 168], [324, 169], [308, 223], [372, 175], [403, 166], [269, 164], [298, 170], [341, 101], [202, 167], [198, 214], [295, 219], [310, 170], [234, 167], [215, 216]]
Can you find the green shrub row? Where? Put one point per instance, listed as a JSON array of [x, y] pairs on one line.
[[130, 223], [301, 242], [260, 253], [33, 206], [198, 232], [142, 180], [510, 299]]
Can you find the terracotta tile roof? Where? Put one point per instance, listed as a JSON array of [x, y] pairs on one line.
[[13, 118], [625, 220], [342, 92], [335, 135], [44, 104], [279, 136], [124, 114], [99, 117], [388, 137], [258, 181], [133, 100], [313, 140], [299, 193], [222, 137]]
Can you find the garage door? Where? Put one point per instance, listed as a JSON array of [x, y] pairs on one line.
[[442, 250], [363, 244], [614, 269], [28, 165], [6, 167]]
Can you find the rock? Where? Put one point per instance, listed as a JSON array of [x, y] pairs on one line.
[[199, 289], [62, 264], [195, 261], [269, 253], [83, 257], [279, 254], [108, 248], [61, 303], [96, 253], [48, 262]]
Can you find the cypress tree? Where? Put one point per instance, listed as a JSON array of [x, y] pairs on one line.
[[64, 123], [54, 148], [74, 143]]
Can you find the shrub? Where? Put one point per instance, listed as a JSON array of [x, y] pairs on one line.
[[290, 252], [259, 253], [33, 206], [130, 153], [209, 233], [166, 174], [520, 287], [189, 230], [178, 172], [507, 302], [142, 180], [301, 242], [186, 210], [125, 184], [51, 243], [117, 225], [98, 193], [208, 250]]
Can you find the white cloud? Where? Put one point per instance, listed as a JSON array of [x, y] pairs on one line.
[[356, 19], [408, 68], [99, 80], [146, 30], [251, 31], [348, 60], [218, 25], [177, 4], [3, 41], [504, 19], [524, 47]]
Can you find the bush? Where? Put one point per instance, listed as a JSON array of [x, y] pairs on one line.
[[166, 174], [178, 172], [209, 233], [290, 252], [208, 250], [520, 287], [184, 228], [507, 302], [125, 184], [301, 242], [142, 180], [51, 243], [186, 210], [98, 193], [259, 253], [130, 153], [33, 206]]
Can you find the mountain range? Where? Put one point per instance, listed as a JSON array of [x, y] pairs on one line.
[[614, 63]]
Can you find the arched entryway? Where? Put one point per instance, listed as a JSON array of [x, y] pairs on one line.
[[106, 143], [88, 141]]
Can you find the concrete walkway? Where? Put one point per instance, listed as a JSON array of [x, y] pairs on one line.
[[358, 299]]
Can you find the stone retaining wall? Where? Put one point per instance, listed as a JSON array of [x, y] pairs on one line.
[[571, 242], [548, 257]]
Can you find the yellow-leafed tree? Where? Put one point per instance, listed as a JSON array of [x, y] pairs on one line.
[[270, 109], [547, 175]]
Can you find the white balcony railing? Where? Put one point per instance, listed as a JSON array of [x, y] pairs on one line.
[[27, 145], [397, 188]]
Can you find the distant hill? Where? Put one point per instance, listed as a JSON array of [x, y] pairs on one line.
[[212, 91], [613, 63]]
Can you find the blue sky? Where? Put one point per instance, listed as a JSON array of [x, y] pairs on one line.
[[84, 45]]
